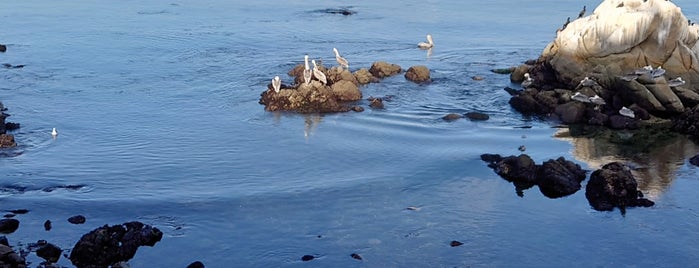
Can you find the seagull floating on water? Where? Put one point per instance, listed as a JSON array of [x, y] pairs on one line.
[[527, 81], [276, 84], [340, 60], [318, 74], [306, 71], [427, 45], [580, 97], [676, 82], [627, 112], [54, 133]]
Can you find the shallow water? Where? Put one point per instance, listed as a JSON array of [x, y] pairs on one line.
[[158, 120]]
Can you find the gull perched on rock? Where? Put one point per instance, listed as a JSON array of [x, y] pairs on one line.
[[597, 100], [580, 97], [340, 60], [587, 82], [306, 71], [276, 84], [318, 74], [427, 45], [627, 112], [676, 82], [527, 81], [657, 72], [644, 70]]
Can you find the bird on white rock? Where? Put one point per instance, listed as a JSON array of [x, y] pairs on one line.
[[276, 84], [675, 82], [306, 71], [427, 45], [527, 81], [318, 74], [340, 60], [580, 97], [627, 112]]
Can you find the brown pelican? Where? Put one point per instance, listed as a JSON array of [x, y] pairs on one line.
[[276, 84], [527, 81], [318, 74], [340, 60], [306, 71], [427, 45], [54, 133], [676, 82], [627, 112]]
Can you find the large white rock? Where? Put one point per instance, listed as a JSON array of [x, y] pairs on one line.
[[623, 35]]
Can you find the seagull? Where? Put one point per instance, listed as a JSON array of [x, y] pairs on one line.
[[627, 112], [587, 82], [657, 72], [527, 81], [597, 100], [276, 84], [676, 82], [54, 133], [427, 45], [306, 71], [318, 74], [580, 97], [340, 60], [629, 77], [644, 70]]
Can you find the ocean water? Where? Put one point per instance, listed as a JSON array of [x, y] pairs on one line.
[[156, 105]]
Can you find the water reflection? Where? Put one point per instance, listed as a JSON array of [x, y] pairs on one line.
[[311, 122], [654, 155]]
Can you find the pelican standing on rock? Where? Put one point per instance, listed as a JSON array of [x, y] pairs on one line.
[[427, 45], [318, 74], [276, 84], [340, 60], [527, 81], [306, 71]]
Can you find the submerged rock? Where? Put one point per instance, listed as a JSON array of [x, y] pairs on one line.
[[77, 219], [418, 74], [8, 226], [476, 116], [196, 264], [614, 186], [108, 245], [451, 117]]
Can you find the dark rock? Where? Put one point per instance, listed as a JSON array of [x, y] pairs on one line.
[[687, 122], [622, 122], [3, 241], [639, 112], [356, 256], [307, 98], [513, 91], [694, 160], [8, 226], [376, 103], [77, 219], [196, 264], [418, 74], [688, 97], [108, 245], [476, 116], [382, 69], [614, 186], [10, 259], [560, 177], [455, 243], [571, 112], [337, 11], [7, 141], [307, 257], [491, 159], [503, 70], [451, 117], [49, 252], [521, 169], [18, 211], [47, 225], [522, 148], [3, 48]]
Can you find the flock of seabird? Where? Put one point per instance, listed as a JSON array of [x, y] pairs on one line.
[[309, 73]]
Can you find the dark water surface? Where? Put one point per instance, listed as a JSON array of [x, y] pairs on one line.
[[156, 106]]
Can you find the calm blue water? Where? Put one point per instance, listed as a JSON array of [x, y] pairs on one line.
[[156, 106]]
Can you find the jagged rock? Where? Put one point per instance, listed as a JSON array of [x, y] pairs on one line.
[[560, 177], [8, 226], [336, 74], [307, 98], [108, 245], [571, 112], [614, 186], [364, 77], [9, 258], [49, 252], [346, 90], [418, 74], [381, 69]]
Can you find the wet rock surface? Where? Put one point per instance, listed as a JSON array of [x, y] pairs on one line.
[[108, 245], [418, 74], [77, 219], [9, 258], [614, 186], [3, 48], [6, 140], [49, 252], [8, 226], [382, 69]]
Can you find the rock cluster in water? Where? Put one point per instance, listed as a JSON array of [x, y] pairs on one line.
[[6, 140], [628, 54], [341, 89], [614, 186], [108, 245]]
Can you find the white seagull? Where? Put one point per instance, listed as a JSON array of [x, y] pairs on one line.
[[306, 71], [427, 45], [580, 97], [54, 133], [276, 84], [627, 112], [597, 100], [527, 81], [318, 74], [657, 72], [676, 82], [644, 70], [340, 60], [587, 82]]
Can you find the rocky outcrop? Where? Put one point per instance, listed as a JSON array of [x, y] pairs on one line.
[[9, 258], [381, 69], [3, 48], [614, 186], [418, 74], [108, 245]]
